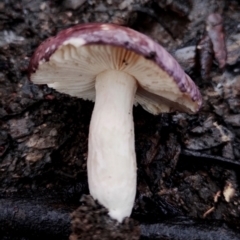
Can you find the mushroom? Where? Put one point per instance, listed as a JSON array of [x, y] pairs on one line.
[[116, 67]]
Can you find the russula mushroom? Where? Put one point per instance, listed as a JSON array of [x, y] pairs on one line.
[[116, 67]]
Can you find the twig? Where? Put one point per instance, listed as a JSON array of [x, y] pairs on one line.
[[203, 156]]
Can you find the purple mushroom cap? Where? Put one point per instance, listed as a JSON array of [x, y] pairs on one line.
[[64, 59]]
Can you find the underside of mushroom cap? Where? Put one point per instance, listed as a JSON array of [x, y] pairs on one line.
[[70, 62]]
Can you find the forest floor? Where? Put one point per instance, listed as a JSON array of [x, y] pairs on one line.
[[188, 165]]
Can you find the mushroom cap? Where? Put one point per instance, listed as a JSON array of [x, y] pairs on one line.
[[70, 62]]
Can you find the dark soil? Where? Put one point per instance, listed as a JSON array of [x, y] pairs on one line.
[[188, 165]]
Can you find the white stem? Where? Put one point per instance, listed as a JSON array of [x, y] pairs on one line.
[[111, 150]]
